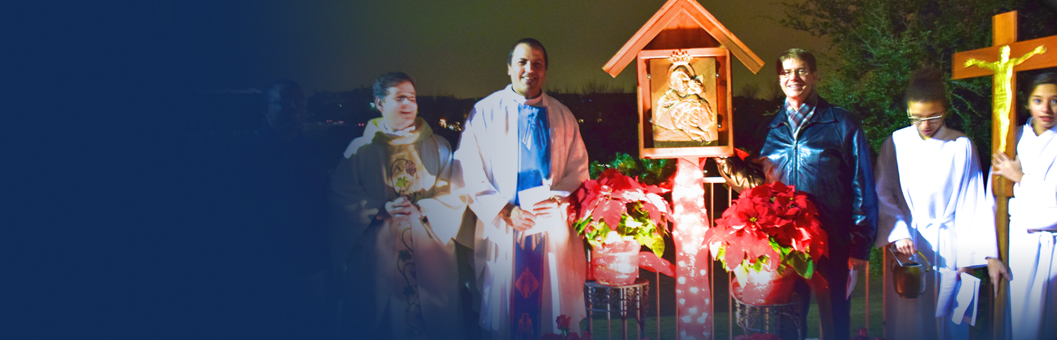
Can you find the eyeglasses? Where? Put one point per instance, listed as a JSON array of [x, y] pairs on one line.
[[916, 120], [802, 72]]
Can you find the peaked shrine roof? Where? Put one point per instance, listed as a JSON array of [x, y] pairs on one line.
[[683, 15]]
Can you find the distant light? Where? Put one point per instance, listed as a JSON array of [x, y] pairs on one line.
[[599, 120], [581, 120]]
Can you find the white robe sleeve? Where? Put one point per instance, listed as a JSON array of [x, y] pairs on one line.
[[974, 216], [485, 200], [1034, 203], [575, 171], [443, 210], [1037, 196], [893, 213]]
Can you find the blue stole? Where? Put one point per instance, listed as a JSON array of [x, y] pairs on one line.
[[534, 165]]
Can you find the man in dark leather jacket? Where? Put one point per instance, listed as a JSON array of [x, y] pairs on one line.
[[820, 149]]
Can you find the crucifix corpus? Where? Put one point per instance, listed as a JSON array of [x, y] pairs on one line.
[[1009, 57]]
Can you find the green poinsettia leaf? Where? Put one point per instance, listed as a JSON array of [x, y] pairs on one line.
[[719, 256], [802, 264], [603, 230], [658, 246], [580, 225], [783, 252]]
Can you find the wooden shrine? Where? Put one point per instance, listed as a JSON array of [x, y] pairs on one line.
[[685, 46], [683, 57]]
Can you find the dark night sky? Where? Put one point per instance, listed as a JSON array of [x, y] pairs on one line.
[[451, 47]]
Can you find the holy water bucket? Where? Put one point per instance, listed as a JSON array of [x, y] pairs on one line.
[[908, 276]]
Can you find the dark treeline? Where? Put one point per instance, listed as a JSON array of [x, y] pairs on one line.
[[607, 120]]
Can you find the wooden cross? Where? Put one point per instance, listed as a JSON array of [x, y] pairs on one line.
[[1009, 57]]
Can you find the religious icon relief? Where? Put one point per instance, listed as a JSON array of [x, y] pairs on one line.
[[683, 112]]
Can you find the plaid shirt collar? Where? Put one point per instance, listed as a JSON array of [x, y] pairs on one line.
[[807, 109]]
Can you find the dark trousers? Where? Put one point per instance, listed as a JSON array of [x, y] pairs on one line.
[[834, 309]]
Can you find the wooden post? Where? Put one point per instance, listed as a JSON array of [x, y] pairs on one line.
[[1004, 32]]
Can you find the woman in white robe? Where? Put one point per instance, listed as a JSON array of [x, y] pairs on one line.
[[1033, 216], [394, 224], [931, 199]]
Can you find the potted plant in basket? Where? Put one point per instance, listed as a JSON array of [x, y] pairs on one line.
[[617, 214], [768, 234]]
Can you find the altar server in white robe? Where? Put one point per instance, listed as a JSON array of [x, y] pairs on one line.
[[1033, 215], [932, 199], [394, 223], [499, 153]]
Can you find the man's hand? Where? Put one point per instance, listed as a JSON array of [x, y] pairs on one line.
[[996, 270], [857, 264], [402, 207], [548, 208], [519, 219], [905, 247], [1008, 168]]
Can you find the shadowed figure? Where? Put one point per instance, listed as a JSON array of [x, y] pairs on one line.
[[277, 234]]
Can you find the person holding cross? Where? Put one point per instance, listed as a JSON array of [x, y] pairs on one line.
[[1033, 215], [932, 202]]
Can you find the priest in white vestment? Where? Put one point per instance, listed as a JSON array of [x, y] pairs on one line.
[[498, 156], [932, 200], [1033, 216]]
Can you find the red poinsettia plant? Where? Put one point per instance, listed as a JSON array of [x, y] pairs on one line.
[[770, 227], [616, 207]]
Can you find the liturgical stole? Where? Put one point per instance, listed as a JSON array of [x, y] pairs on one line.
[[534, 165]]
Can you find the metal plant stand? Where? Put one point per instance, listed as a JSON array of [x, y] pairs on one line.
[[768, 318], [620, 299]]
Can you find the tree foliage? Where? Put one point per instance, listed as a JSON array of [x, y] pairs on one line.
[[877, 44], [647, 170]]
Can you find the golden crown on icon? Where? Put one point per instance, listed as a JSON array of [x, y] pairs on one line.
[[680, 57]]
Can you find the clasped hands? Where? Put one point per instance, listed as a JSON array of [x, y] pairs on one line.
[[523, 220], [402, 207]]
